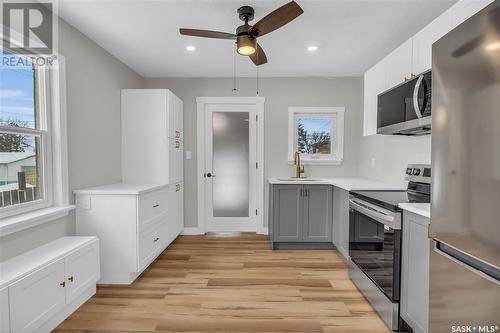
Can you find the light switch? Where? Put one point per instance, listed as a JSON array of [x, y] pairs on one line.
[[372, 163], [188, 155]]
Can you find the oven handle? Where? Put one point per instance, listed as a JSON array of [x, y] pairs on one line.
[[387, 220]]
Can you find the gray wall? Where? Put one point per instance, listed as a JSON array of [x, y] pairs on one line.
[[280, 93], [94, 79]]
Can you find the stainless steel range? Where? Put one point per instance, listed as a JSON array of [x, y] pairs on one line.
[[375, 241]]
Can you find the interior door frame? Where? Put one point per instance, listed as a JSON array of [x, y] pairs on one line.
[[202, 104]]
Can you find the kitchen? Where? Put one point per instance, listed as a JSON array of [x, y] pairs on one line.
[[293, 199]]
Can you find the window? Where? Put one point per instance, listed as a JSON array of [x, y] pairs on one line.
[[25, 138], [317, 133]]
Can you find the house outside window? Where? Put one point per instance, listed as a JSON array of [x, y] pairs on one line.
[[317, 133], [33, 171]]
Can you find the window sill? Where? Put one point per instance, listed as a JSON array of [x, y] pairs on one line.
[[23, 221], [317, 162]]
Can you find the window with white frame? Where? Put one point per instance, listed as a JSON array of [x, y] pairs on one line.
[[32, 169], [317, 133]]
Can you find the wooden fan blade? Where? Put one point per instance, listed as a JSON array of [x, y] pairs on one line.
[[258, 57], [207, 33], [276, 19]]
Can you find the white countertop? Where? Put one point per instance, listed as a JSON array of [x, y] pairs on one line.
[[346, 183], [422, 209], [121, 188]]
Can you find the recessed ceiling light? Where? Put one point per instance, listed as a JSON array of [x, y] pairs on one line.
[[190, 48], [312, 48]]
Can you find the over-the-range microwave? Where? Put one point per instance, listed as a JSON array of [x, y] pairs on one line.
[[406, 108]]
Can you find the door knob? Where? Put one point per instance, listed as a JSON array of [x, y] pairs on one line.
[[210, 175], [71, 278]]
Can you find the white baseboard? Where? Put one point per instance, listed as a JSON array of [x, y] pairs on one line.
[[192, 231]]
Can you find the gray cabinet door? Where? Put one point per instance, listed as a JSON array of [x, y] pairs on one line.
[[415, 272], [341, 220], [317, 213], [287, 213]]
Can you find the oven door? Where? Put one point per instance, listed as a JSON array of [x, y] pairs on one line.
[[375, 245]]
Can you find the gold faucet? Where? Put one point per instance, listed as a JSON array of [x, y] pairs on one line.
[[299, 169]]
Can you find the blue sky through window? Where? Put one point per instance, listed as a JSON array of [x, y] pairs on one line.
[[312, 125], [16, 94]]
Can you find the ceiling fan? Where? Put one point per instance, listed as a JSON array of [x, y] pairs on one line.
[[246, 35]]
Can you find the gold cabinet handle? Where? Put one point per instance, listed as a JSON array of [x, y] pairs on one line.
[[63, 284], [71, 278]]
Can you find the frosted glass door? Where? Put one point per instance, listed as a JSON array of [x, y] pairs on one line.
[[230, 159], [230, 168]]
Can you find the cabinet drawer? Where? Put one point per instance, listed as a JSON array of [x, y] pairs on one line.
[[151, 241], [151, 206]]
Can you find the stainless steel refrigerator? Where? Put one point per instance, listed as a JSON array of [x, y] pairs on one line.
[[465, 228]]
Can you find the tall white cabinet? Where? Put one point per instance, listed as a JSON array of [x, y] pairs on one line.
[[139, 218], [152, 136]]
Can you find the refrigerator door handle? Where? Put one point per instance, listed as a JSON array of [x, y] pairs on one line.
[[474, 265]]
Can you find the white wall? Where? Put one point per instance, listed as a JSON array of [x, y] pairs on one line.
[[280, 93], [94, 79], [392, 154]]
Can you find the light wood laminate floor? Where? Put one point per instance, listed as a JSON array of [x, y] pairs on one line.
[[232, 283]]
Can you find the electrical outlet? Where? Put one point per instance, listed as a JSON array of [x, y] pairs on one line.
[[188, 155]]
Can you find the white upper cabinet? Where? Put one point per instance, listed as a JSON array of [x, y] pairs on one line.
[[411, 58], [422, 42], [152, 134], [462, 10], [398, 65], [175, 117], [374, 84]]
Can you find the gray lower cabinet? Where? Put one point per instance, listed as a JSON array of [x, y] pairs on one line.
[[341, 220], [300, 213], [415, 272]]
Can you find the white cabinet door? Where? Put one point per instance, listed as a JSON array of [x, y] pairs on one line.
[[179, 120], [374, 84], [180, 208], [4, 310], [398, 64], [175, 117], [462, 10], [37, 297], [175, 161], [82, 270], [423, 40], [415, 272]]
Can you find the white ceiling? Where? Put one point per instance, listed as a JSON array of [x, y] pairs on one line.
[[352, 35]]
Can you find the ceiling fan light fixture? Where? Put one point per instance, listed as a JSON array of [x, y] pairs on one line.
[[246, 45]]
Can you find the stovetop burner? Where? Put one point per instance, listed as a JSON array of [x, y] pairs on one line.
[[418, 191]]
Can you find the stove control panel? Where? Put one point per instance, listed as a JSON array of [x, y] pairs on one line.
[[420, 173]]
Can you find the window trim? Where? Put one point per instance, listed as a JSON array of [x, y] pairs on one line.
[[55, 159], [338, 113]]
